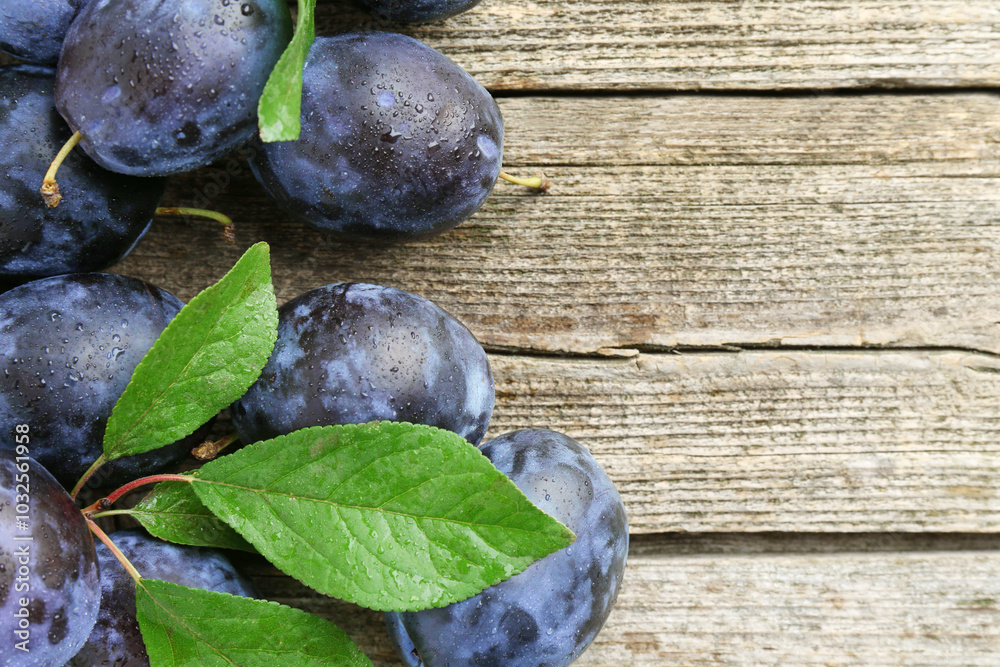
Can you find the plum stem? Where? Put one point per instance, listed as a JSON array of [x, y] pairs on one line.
[[101, 460], [50, 189], [101, 515], [228, 228], [106, 502], [210, 449], [539, 182], [102, 536]]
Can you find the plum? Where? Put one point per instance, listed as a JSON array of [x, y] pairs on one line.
[[350, 353], [33, 30], [549, 614], [68, 346], [158, 88], [103, 215], [50, 589], [398, 142], [417, 11], [115, 639]]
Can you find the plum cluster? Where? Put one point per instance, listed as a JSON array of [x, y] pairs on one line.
[[397, 143], [148, 89], [63, 602], [346, 353]]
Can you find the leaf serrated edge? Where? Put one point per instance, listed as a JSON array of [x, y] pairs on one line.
[[258, 249]]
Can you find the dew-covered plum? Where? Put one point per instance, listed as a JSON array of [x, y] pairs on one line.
[[50, 588], [350, 353], [163, 87], [549, 614], [398, 142], [102, 215]]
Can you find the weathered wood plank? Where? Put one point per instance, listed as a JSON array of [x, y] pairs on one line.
[[686, 221], [777, 441], [697, 130], [708, 45], [839, 609]]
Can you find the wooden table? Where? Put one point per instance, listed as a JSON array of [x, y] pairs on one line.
[[764, 291]]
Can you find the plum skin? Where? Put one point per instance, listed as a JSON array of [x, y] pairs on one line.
[[116, 639], [33, 30], [398, 142], [102, 216], [417, 11], [351, 353], [549, 614], [68, 346], [65, 591], [158, 88]]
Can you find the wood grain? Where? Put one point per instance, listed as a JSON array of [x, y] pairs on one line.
[[616, 45], [683, 221], [837, 609]]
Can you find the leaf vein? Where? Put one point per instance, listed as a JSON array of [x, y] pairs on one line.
[[268, 492]]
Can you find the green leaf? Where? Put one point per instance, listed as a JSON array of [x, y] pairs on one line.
[[392, 516], [188, 626], [205, 359], [281, 102], [173, 512]]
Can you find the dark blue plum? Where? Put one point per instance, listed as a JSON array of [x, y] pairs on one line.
[[417, 11], [550, 613], [351, 353], [397, 143], [33, 30], [102, 215], [115, 639], [68, 346], [50, 589], [401, 641], [163, 87]]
